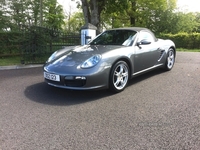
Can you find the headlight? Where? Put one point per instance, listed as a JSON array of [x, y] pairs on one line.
[[52, 57], [91, 62]]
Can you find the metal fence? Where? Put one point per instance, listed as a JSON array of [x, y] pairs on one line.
[[35, 44]]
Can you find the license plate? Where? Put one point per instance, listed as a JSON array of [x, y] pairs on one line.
[[52, 77]]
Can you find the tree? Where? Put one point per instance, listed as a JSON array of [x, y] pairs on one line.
[[35, 12], [53, 14], [92, 11], [4, 18], [75, 22], [114, 13], [16, 14], [185, 22], [160, 16], [146, 13], [197, 19]]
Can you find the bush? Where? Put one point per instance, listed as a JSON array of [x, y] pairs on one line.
[[10, 42], [34, 43], [184, 40]]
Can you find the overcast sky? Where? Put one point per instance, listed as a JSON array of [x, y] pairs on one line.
[[189, 5]]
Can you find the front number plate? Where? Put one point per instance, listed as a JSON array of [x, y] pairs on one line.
[[52, 77]]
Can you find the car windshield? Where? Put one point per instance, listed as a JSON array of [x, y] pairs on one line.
[[115, 37]]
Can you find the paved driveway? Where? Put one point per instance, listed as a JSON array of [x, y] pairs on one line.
[[159, 110]]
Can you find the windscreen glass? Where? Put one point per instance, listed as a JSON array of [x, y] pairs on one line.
[[115, 37]]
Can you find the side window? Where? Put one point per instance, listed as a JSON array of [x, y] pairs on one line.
[[146, 36]]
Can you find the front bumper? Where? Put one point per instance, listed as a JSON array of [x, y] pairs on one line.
[[87, 80]]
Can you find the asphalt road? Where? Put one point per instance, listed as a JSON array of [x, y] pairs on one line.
[[157, 111]]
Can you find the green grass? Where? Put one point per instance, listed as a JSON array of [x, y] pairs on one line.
[[187, 50], [16, 60], [27, 59], [11, 60]]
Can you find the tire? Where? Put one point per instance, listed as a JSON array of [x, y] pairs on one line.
[[170, 60], [119, 77]]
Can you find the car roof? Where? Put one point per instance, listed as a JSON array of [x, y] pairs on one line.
[[137, 29]]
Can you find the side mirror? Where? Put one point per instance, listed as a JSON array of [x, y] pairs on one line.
[[143, 42]]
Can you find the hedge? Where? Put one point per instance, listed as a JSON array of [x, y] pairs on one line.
[[17, 42], [184, 40], [35, 39], [10, 42]]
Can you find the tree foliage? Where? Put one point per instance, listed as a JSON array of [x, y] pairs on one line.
[[74, 22], [53, 16], [158, 15], [17, 13]]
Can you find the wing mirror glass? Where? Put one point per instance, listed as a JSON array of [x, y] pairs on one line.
[[143, 42]]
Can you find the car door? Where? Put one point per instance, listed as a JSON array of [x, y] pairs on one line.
[[146, 52]]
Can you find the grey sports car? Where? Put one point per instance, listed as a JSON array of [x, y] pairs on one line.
[[110, 60]]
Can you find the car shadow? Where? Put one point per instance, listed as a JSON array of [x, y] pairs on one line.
[[145, 76], [43, 93], [46, 94]]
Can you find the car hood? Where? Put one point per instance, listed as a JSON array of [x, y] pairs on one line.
[[74, 56]]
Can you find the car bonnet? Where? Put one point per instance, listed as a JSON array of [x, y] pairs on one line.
[[71, 59]]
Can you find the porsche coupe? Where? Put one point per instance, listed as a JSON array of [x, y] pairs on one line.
[[110, 60]]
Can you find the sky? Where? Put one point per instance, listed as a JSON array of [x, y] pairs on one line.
[[183, 5], [68, 5], [189, 5]]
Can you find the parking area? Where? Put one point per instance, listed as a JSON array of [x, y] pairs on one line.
[[158, 110]]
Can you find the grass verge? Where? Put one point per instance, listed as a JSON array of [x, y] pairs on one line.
[[187, 50], [10, 60]]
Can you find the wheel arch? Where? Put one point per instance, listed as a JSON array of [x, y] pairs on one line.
[[173, 47]]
